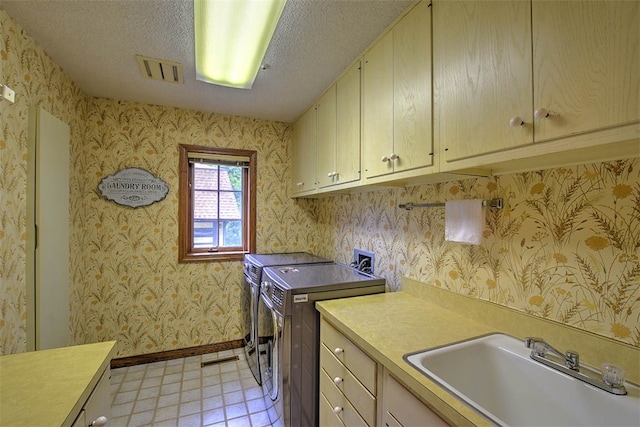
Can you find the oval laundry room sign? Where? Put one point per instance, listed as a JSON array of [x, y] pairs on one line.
[[133, 187]]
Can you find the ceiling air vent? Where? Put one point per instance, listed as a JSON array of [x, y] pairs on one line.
[[159, 69]]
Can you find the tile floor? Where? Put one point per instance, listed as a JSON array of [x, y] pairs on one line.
[[181, 392]]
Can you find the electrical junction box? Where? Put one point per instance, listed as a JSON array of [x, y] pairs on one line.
[[363, 260]]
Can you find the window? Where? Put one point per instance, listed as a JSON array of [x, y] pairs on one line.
[[217, 203]]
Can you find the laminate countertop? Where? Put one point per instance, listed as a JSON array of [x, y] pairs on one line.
[[50, 387], [388, 326]]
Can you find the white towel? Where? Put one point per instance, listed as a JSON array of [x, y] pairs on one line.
[[464, 221]]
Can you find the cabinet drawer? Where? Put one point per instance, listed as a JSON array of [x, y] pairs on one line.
[[349, 385], [390, 421], [360, 365], [328, 418], [339, 404]]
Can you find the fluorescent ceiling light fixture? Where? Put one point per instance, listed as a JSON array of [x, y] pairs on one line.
[[231, 38]]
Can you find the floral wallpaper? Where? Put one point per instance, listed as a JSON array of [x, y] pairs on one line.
[[37, 81], [134, 289], [565, 246], [126, 282]]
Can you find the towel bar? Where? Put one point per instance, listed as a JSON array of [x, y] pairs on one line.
[[493, 203]]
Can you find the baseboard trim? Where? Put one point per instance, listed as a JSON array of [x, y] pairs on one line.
[[121, 362]]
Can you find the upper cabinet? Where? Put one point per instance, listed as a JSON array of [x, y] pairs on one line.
[[377, 115], [397, 116], [509, 76], [348, 125], [586, 66], [326, 137], [517, 85], [482, 76], [338, 131], [304, 155]]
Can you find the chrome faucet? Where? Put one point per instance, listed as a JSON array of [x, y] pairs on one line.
[[612, 381], [540, 348]]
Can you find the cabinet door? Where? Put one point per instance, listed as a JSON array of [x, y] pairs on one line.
[[326, 138], [586, 65], [402, 408], [413, 142], [348, 126], [482, 76], [48, 237], [81, 420], [97, 409], [304, 153], [377, 107]]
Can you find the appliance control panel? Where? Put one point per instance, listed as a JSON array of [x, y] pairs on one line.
[[274, 293], [252, 271]]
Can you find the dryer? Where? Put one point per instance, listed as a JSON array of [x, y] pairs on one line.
[[290, 370], [252, 269]]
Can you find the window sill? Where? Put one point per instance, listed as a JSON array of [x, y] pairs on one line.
[[211, 257]]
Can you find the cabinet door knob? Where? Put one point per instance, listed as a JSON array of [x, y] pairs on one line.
[[338, 351], [99, 422], [516, 121], [337, 380], [330, 174], [394, 156], [299, 184], [337, 410], [384, 159], [541, 113]]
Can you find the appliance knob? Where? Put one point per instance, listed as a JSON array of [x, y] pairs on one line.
[[266, 287]]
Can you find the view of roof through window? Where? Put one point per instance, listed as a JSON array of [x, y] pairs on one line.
[[217, 205]]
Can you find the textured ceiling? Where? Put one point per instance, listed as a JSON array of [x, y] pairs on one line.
[[95, 42]]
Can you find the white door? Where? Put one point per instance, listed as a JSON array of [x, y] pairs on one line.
[[48, 243]]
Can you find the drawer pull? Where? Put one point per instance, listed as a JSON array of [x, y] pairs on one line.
[[337, 380], [516, 121], [337, 410], [541, 113], [99, 422], [338, 351]]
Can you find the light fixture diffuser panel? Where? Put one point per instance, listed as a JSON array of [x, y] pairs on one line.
[[231, 38]]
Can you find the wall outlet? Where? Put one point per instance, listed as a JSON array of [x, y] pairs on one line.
[[8, 94], [363, 260]]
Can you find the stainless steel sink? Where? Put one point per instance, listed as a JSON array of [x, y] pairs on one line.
[[495, 375]]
